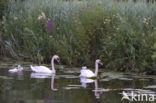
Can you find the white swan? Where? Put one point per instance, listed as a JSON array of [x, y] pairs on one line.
[[18, 69], [44, 69], [88, 73]]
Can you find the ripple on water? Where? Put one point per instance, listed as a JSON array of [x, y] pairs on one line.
[[151, 86], [68, 76], [142, 79], [106, 79], [69, 88], [125, 78], [101, 90], [5, 77]]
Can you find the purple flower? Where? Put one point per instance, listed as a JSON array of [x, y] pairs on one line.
[[51, 26]]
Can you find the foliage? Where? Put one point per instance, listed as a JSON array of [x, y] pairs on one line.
[[3, 5], [119, 33]]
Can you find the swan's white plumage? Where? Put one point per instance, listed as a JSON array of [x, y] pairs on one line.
[[40, 69], [86, 73], [18, 69], [13, 70]]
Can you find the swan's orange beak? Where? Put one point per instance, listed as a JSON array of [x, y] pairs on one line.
[[100, 63]]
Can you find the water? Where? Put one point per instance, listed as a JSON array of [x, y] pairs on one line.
[[28, 87]]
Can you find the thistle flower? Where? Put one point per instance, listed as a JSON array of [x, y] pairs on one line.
[[51, 26]]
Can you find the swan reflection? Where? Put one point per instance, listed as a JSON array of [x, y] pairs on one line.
[[85, 81], [40, 75], [52, 83]]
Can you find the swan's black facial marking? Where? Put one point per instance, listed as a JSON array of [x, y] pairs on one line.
[[58, 60]]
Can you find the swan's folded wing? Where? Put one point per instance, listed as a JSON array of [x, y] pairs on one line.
[[41, 69], [87, 73]]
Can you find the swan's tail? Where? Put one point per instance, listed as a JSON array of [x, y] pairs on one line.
[[32, 68]]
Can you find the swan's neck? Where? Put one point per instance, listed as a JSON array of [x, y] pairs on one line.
[[52, 65], [96, 69]]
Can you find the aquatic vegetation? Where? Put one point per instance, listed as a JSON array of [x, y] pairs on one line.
[[121, 34]]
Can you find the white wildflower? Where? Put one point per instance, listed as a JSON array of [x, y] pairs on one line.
[[39, 17], [145, 20], [15, 18], [43, 15]]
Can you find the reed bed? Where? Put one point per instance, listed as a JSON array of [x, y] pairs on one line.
[[121, 34]]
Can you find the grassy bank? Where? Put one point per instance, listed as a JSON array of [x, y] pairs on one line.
[[121, 34]]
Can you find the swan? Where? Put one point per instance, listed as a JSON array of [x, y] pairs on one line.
[[88, 73], [44, 69], [18, 69]]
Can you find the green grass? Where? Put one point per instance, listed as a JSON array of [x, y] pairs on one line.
[[121, 34]]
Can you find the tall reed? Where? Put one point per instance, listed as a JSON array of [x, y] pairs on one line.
[[119, 33]]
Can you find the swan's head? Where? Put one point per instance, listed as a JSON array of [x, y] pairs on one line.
[[20, 67], [84, 67], [56, 58], [98, 61]]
